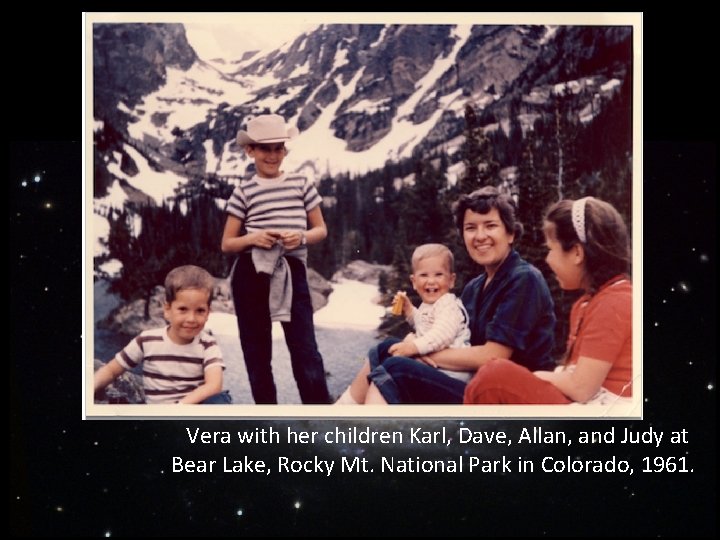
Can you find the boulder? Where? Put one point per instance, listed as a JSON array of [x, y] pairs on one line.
[[362, 271], [129, 318], [127, 388], [320, 289]]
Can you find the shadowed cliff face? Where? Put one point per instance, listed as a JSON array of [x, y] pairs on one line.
[[368, 83], [129, 61], [129, 318]]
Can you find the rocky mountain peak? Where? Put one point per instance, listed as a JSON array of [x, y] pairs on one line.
[[130, 61], [363, 94]]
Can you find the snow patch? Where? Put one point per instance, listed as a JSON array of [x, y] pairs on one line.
[[573, 86], [302, 69], [455, 172], [549, 33], [115, 198], [369, 107], [441, 65], [186, 99], [101, 230], [454, 101], [222, 324], [158, 185], [211, 160], [341, 58], [350, 305], [112, 268], [612, 83]]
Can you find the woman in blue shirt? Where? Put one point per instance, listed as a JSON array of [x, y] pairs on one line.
[[509, 306]]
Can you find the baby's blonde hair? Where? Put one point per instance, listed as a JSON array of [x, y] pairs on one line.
[[425, 251]]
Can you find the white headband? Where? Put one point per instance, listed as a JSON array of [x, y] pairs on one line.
[[578, 218]]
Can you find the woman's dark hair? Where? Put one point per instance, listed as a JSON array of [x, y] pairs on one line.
[[607, 245], [481, 201]]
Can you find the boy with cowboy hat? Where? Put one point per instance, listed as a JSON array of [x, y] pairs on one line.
[[271, 218]]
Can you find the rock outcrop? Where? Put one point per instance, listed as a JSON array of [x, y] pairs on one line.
[[362, 271], [372, 79], [129, 317], [129, 62], [127, 388]]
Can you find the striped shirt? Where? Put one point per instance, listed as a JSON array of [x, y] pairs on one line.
[[170, 371], [440, 325], [274, 203]]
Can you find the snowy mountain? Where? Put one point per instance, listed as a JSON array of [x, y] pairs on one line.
[[360, 94]]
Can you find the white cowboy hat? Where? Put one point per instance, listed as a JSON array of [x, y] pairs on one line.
[[268, 128]]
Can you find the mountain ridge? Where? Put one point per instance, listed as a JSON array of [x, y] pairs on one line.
[[360, 94]]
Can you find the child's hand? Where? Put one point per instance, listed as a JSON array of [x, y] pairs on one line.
[[265, 239], [291, 239], [402, 304], [404, 348]]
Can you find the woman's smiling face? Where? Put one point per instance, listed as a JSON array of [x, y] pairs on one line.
[[487, 240]]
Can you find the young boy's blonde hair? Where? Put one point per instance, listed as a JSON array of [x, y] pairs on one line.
[[425, 251], [188, 277]]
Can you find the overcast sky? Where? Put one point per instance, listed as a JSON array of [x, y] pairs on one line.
[[230, 41]]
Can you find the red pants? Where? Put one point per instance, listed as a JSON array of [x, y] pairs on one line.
[[504, 381]]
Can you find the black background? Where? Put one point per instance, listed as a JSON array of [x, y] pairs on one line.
[[74, 477]]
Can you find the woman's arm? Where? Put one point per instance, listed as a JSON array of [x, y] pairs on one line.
[[468, 358], [211, 386], [582, 383], [232, 242]]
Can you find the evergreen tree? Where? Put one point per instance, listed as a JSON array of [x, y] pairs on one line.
[[399, 278], [536, 192], [515, 142], [120, 238], [481, 168], [167, 238], [422, 211]]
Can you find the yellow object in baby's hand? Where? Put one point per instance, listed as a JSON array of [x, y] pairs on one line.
[[397, 305]]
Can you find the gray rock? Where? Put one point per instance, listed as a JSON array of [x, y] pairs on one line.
[[127, 388], [129, 317], [131, 60], [222, 298], [320, 289], [362, 271]]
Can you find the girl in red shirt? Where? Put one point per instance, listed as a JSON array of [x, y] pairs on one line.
[[588, 248]]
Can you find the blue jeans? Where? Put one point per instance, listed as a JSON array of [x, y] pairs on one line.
[[250, 295], [223, 398], [407, 380]]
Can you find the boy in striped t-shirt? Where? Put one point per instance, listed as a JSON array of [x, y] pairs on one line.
[[270, 220], [181, 363]]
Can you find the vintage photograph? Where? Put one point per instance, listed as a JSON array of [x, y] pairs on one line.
[[362, 216]]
